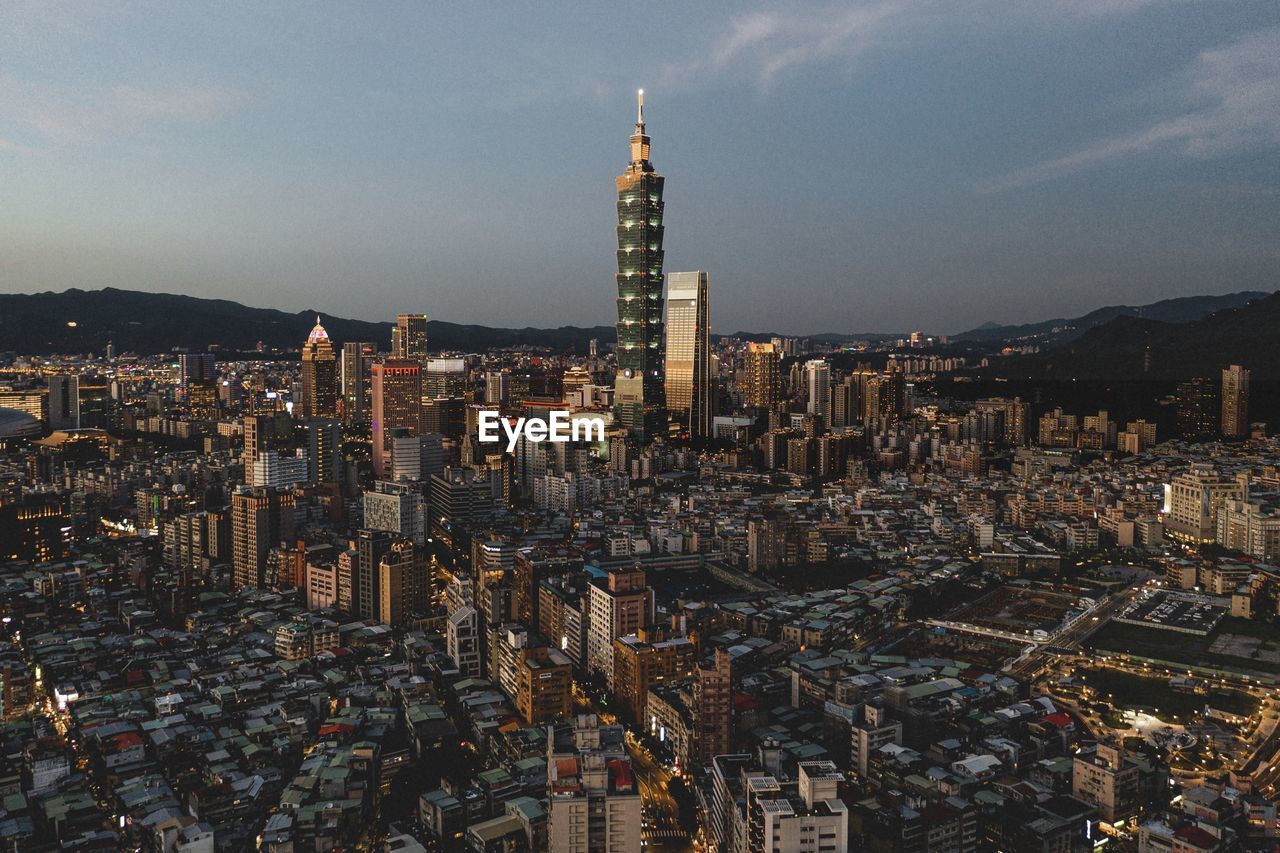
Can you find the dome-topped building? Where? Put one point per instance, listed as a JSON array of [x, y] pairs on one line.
[[15, 423], [319, 375]]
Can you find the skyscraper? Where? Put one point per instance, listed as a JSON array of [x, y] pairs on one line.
[[402, 583], [1235, 402], [412, 338], [638, 385], [261, 518], [64, 402], [198, 384], [366, 585], [1195, 408], [817, 380], [714, 697], [688, 362], [354, 379], [397, 404], [324, 450], [763, 376], [319, 375]]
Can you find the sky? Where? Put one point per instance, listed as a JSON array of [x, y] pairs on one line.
[[835, 167]]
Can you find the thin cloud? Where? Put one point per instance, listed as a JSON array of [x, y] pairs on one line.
[[116, 111], [766, 44], [1237, 92]]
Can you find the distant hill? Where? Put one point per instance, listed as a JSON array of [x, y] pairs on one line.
[[1129, 347], [37, 324], [1181, 310]]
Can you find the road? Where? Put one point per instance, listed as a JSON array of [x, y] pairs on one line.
[[662, 828], [1074, 634]]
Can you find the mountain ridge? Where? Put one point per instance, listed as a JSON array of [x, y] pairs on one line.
[[1180, 309], [78, 321], [1128, 347]]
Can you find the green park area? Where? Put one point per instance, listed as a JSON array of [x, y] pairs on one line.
[[1154, 694], [1240, 646]]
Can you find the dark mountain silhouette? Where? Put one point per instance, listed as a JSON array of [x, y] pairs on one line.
[[1181, 310], [1140, 348], [38, 323]]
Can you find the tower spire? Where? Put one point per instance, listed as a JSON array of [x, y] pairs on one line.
[[640, 110]]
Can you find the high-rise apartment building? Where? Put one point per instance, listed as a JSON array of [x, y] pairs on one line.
[[198, 384], [64, 402], [355, 380], [1015, 415], [319, 375], [762, 366], [1235, 402], [324, 450], [1108, 780], [544, 685], [766, 543], [619, 604], [410, 340], [261, 518], [806, 816], [194, 367], [1196, 409], [1194, 499], [688, 362], [1249, 527], [366, 583], [396, 508], [639, 665], [638, 386], [713, 711], [402, 583], [593, 798], [397, 405], [817, 380]]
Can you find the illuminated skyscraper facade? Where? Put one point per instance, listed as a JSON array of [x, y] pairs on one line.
[[1235, 402], [397, 404], [817, 377], [638, 387], [1196, 404], [688, 359], [410, 338], [319, 375], [355, 380], [198, 384], [763, 386]]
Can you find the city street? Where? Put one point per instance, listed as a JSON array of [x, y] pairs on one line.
[[662, 828]]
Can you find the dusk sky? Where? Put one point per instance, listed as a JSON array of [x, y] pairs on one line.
[[847, 167]]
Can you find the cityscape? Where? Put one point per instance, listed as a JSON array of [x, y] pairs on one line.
[[296, 582]]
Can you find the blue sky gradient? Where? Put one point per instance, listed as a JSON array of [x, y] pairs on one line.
[[846, 167]]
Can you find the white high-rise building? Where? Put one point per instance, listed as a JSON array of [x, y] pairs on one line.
[[817, 374], [398, 508], [593, 796], [811, 819], [276, 470], [619, 604], [1193, 500]]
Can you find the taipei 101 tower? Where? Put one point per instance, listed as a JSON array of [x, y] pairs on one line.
[[638, 387]]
